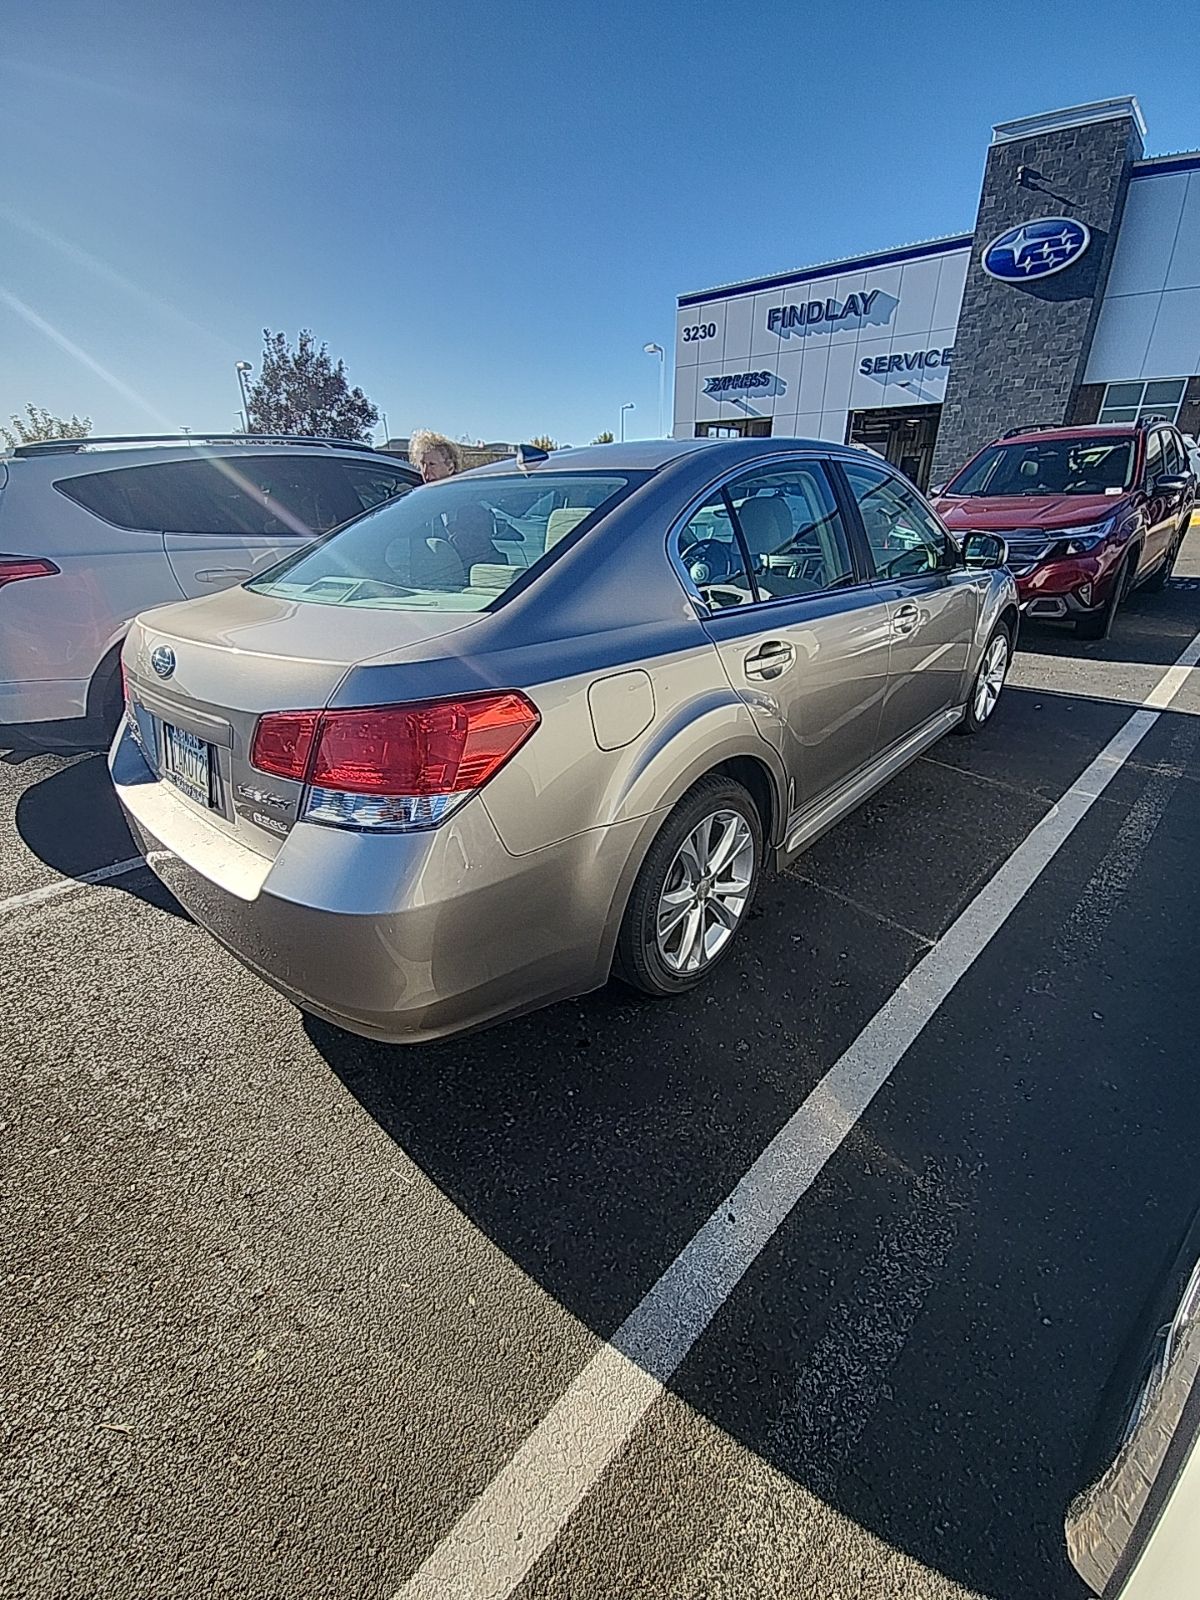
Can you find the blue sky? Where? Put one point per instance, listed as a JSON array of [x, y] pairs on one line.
[[486, 209]]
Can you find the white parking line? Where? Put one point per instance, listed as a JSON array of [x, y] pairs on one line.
[[499, 1538], [51, 891]]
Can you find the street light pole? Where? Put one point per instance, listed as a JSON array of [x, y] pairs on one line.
[[628, 406], [243, 367], [657, 350]]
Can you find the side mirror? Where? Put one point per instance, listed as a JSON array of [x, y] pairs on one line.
[[1173, 483], [934, 490], [985, 550]]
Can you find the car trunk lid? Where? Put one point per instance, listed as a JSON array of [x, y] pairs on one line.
[[200, 674]]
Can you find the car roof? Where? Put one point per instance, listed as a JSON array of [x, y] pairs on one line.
[[60, 459], [648, 455], [1091, 430], [204, 443]]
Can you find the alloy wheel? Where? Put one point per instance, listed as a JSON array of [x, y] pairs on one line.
[[992, 673], [705, 892]]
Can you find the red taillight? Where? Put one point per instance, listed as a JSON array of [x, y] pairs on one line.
[[433, 747], [283, 743], [14, 568]]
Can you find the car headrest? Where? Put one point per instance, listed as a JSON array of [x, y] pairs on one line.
[[491, 575], [766, 524], [563, 521]]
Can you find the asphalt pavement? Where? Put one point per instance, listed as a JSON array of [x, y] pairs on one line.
[[281, 1303]]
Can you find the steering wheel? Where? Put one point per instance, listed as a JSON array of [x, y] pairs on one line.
[[710, 561]]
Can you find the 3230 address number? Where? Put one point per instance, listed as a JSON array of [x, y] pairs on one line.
[[699, 330]]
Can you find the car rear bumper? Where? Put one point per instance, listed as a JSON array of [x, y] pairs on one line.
[[403, 937]]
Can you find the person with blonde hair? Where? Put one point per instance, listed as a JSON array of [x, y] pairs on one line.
[[434, 456], [468, 529]]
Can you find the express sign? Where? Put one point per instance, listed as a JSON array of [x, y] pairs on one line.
[[737, 382]]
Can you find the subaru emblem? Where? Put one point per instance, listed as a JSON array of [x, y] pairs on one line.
[[1036, 249], [163, 660]]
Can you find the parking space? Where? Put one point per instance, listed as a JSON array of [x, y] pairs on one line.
[[296, 1299]]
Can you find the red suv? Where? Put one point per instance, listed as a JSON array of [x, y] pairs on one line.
[[1087, 513]]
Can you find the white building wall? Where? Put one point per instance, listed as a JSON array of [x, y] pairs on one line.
[[1149, 324], [815, 371]]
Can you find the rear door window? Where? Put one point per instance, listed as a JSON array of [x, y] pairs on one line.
[[1172, 455], [242, 496]]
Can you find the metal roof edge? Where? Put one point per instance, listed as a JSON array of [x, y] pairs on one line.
[[825, 269], [1158, 166], [1123, 105]]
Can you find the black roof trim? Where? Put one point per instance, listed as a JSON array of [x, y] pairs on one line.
[[65, 447], [827, 269]]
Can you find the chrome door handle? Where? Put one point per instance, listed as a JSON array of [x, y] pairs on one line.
[[223, 575], [905, 619], [770, 660]]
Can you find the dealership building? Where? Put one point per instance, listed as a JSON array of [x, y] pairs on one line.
[[1075, 299]]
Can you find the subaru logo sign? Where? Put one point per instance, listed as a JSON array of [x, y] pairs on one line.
[[163, 660], [1036, 249]]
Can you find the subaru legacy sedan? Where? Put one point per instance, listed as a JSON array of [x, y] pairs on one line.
[[549, 720]]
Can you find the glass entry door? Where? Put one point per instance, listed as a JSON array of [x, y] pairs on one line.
[[903, 435]]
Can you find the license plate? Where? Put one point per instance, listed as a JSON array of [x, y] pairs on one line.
[[187, 762]]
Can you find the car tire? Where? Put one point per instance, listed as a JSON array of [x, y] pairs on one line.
[[1098, 625], [680, 923], [1158, 582], [988, 683]]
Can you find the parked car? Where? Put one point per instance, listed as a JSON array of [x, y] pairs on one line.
[[1134, 1531], [1088, 514], [419, 794], [1192, 450], [95, 530]]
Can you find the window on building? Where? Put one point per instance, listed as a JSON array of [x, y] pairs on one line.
[[752, 428], [1157, 397]]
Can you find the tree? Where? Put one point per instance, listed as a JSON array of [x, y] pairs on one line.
[[302, 391], [38, 423], [544, 442], [603, 438]]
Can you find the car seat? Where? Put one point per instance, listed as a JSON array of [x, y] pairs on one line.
[[563, 521], [766, 525]]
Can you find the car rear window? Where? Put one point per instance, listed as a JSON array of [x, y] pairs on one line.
[[1048, 466], [244, 496], [456, 545]]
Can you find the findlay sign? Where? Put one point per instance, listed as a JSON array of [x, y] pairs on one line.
[[781, 318]]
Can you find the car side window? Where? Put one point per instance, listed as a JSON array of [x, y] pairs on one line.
[[906, 540], [374, 484], [713, 558], [266, 497], [1154, 456], [1172, 456], [793, 530]]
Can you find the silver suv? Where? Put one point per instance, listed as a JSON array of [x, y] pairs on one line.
[[92, 531], [549, 717]]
